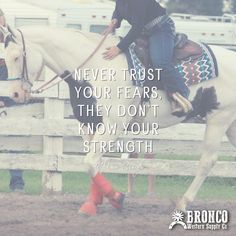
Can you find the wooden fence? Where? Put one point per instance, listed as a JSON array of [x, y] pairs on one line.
[[44, 137]]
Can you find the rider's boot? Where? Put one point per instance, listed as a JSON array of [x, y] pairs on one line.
[[180, 106]]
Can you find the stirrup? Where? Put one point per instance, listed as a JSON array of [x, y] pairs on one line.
[[184, 103], [176, 109]]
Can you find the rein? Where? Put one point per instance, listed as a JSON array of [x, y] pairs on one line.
[[48, 84], [25, 75]]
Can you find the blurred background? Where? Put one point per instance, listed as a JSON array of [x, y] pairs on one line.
[[209, 21]]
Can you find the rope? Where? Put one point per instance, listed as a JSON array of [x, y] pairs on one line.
[[44, 87]]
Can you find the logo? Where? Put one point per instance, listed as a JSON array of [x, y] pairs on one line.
[[201, 220], [178, 218]]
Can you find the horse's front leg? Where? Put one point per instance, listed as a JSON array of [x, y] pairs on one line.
[[215, 130], [100, 186]]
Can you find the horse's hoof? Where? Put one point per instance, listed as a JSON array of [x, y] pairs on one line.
[[88, 209], [118, 200]]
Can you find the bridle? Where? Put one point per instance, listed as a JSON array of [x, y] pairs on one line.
[[24, 78], [27, 85], [64, 76]]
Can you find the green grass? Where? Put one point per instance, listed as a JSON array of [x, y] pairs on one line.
[[166, 187]]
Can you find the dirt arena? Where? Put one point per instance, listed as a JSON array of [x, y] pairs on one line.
[[24, 215]]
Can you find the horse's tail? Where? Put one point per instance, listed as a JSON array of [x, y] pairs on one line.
[[204, 102]]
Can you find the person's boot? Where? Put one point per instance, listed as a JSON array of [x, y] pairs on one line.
[[176, 109], [180, 106], [115, 198]]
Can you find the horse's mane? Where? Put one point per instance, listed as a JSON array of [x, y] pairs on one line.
[[93, 36], [90, 36]]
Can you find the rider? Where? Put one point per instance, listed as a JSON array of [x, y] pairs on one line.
[[150, 16]]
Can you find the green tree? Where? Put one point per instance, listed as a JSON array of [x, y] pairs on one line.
[[198, 7]]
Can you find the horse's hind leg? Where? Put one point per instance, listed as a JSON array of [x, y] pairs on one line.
[[231, 133], [215, 130]]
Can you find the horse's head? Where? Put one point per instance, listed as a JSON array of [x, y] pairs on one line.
[[24, 64]]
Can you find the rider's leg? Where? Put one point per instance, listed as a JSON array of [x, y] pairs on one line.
[[161, 41]]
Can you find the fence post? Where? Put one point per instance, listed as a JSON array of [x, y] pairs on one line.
[[131, 177], [52, 180], [151, 178]]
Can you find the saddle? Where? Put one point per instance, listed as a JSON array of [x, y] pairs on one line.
[[184, 50]]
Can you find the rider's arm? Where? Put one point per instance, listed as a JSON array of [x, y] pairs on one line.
[[116, 16], [139, 15]]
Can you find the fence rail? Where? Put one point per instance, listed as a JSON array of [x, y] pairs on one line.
[[74, 163], [47, 132]]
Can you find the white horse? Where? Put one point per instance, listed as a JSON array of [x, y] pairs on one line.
[[61, 50]]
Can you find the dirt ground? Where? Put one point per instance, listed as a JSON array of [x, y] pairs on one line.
[[24, 215]]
